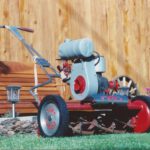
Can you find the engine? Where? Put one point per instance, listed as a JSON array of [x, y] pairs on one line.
[[85, 77]]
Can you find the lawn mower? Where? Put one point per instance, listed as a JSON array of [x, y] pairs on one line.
[[98, 105]]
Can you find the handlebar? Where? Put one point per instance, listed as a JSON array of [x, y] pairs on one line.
[[19, 28], [25, 29], [2, 26]]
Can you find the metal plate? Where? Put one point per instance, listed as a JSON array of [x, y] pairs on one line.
[[50, 118]]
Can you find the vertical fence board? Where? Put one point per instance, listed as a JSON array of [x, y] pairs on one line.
[[120, 30]]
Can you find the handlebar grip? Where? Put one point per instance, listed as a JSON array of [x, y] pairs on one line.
[[25, 29], [3, 26]]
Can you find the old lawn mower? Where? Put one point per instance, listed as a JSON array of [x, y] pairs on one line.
[[98, 105]]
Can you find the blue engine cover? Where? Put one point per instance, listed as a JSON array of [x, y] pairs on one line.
[[76, 48], [109, 99], [85, 69]]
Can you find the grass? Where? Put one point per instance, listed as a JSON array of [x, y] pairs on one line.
[[95, 142]]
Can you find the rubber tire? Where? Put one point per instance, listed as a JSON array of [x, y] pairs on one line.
[[64, 115], [146, 100]]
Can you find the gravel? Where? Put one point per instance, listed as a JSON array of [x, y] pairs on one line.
[[11, 127]]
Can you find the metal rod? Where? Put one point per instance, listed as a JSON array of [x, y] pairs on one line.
[[13, 110], [31, 50], [33, 53], [74, 106]]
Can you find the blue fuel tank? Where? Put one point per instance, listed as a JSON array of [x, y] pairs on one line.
[[76, 48]]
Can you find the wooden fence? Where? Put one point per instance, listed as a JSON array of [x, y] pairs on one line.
[[120, 30]]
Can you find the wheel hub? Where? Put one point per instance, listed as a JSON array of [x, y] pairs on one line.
[[79, 84], [50, 118]]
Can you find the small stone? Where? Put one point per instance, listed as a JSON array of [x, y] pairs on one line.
[[18, 123], [26, 125], [1, 127], [4, 131], [12, 126], [10, 133]]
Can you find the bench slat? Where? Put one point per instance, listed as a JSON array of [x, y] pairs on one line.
[[22, 74], [4, 84]]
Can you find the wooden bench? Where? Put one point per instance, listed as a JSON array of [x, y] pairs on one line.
[[15, 73]]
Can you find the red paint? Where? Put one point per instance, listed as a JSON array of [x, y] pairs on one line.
[[26, 29], [50, 125], [66, 68], [74, 106], [141, 121], [113, 85], [79, 84], [51, 110], [133, 106], [38, 132]]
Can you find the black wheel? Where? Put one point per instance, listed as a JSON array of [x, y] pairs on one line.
[[53, 116], [125, 81]]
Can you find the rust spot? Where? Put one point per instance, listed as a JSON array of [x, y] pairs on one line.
[[59, 12], [6, 14], [113, 71], [134, 3], [35, 21], [139, 35], [134, 7], [127, 68], [21, 11], [5, 51], [21, 5], [126, 16], [126, 46], [125, 19]]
